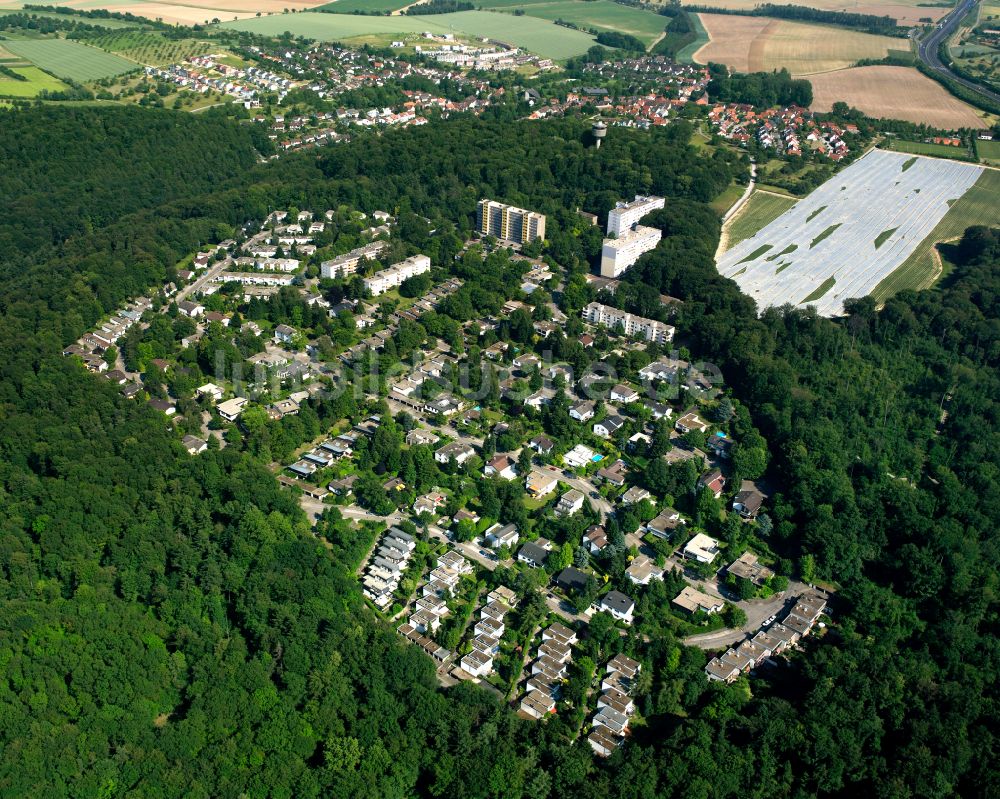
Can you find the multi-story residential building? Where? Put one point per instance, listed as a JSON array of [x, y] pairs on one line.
[[625, 216], [630, 324], [618, 254], [509, 223], [390, 278], [347, 264]]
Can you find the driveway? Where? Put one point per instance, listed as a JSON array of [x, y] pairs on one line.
[[757, 611]]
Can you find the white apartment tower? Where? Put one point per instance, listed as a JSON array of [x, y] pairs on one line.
[[628, 240], [509, 223]]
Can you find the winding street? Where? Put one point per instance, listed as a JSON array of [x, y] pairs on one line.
[[927, 50]]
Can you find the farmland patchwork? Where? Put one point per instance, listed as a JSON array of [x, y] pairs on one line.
[[849, 234]]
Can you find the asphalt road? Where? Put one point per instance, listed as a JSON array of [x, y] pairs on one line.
[[927, 50]]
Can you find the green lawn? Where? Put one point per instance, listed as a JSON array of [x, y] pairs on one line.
[[989, 151], [531, 33], [728, 198], [370, 6], [598, 14], [69, 59], [760, 210], [978, 206], [36, 81]]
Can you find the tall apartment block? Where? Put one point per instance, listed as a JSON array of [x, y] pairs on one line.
[[625, 216], [509, 223], [628, 240]]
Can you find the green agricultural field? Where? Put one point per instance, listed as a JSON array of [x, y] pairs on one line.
[[761, 209], [928, 148], [367, 6], [989, 151], [531, 33], [686, 54], [599, 15], [69, 59], [152, 48], [978, 206], [36, 82]]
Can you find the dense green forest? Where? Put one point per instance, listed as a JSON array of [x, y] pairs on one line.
[[171, 628]]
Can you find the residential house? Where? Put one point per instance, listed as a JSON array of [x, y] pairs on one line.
[[643, 570], [635, 495], [582, 411], [603, 741], [477, 664], [459, 451], [720, 446], [614, 474], [608, 426], [539, 484], [543, 445], [537, 704], [190, 308], [701, 548], [533, 554], [579, 456], [230, 410], [748, 567], [690, 421], [615, 722], [624, 665], [559, 632], [595, 539], [500, 466], [571, 579], [419, 436], [284, 334], [618, 605], [748, 502], [502, 535], [569, 503], [665, 524], [623, 394], [210, 390], [502, 594], [692, 600], [193, 445], [714, 481]]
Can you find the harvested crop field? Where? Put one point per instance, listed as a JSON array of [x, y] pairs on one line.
[[68, 59], [194, 12], [893, 93], [759, 44], [823, 250], [905, 13]]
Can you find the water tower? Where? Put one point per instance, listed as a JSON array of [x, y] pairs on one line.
[[600, 130]]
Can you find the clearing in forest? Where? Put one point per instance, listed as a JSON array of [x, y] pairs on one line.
[[856, 230]]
